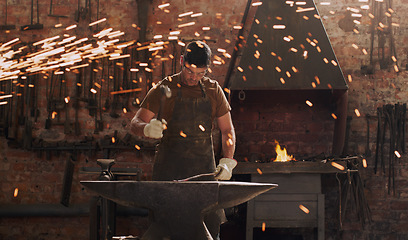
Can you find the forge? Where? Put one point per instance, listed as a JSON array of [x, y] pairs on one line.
[[178, 207]]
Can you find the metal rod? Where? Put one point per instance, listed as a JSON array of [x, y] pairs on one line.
[[196, 176]]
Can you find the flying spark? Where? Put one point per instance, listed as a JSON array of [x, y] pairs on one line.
[[364, 163], [279, 27], [186, 24], [201, 128], [185, 14], [196, 15], [338, 166], [163, 5], [230, 142], [304, 9], [97, 22], [304, 209], [282, 80], [71, 27], [317, 79]]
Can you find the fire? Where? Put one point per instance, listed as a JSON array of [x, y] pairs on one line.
[[281, 154]]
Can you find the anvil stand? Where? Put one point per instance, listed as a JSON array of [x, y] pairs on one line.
[[178, 208], [103, 211], [102, 222]]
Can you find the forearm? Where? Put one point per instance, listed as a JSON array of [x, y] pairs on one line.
[[140, 120], [228, 143], [137, 126]]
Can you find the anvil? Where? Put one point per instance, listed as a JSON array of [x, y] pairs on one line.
[[178, 208]]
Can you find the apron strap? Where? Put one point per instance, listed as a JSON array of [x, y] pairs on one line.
[[203, 92], [202, 87]]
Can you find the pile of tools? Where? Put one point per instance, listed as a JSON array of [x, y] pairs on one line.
[[390, 139]]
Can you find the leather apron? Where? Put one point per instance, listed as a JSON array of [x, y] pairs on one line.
[[186, 148]]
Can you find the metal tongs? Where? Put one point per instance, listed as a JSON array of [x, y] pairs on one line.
[[215, 174]]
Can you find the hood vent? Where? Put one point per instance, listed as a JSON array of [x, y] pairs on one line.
[[288, 49]]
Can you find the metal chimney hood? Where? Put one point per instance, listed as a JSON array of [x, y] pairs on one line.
[[288, 49]]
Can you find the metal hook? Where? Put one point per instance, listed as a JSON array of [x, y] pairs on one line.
[[241, 95]]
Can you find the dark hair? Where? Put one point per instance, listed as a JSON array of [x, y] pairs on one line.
[[197, 53]]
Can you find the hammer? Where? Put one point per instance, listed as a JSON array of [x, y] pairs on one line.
[[165, 93]]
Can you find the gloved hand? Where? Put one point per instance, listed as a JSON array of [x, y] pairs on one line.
[[224, 169], [154, 129]]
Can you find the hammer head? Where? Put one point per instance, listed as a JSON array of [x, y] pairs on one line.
[[165, 90]]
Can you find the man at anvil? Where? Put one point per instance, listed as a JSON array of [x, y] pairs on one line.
[[186, 124]]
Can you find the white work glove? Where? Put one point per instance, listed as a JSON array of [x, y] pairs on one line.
[[154, 129], [224, 169]]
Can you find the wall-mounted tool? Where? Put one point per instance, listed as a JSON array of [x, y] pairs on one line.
[[6, 26], [78, 90], [67, 181], [33, 26], [116, 87], [381, 25], [83, 12], [51, 14], [67, 124], [391, 138], [28, 124], [78, 12]]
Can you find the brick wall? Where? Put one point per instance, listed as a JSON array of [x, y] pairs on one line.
[[39, 177], [264, 117]]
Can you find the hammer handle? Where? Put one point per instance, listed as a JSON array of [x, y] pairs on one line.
[[160, 112]]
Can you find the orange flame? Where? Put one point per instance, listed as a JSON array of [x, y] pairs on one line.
[[281, 154]]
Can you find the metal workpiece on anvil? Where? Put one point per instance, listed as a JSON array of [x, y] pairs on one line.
[[178, 207]]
